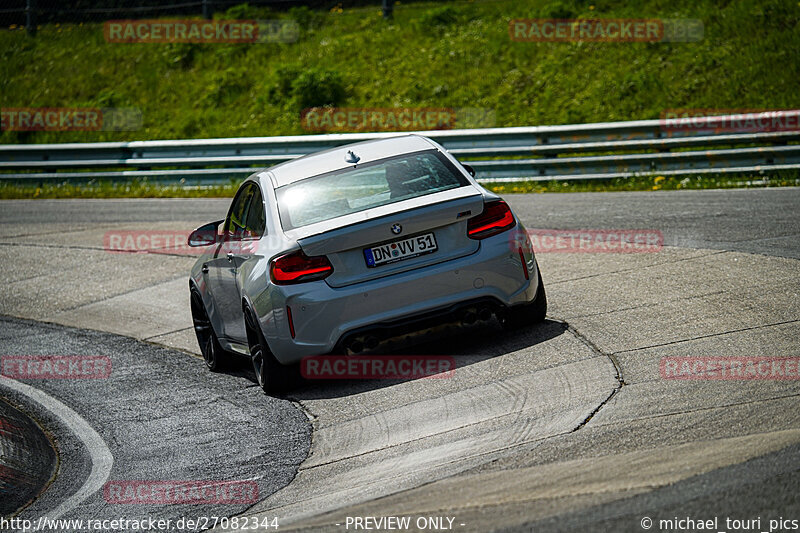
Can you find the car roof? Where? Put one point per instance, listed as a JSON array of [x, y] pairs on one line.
[[334, 158]]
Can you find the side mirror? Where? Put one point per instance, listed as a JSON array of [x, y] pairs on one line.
[[469, 169], [204, 235]]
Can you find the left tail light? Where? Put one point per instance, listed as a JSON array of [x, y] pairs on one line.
[[495, 218], [297, 267]]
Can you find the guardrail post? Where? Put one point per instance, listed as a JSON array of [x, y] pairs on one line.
[[387, 6], [208, 9], [30, 17]]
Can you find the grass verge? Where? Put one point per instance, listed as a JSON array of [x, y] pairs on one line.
[[455, 55], [152, 189]]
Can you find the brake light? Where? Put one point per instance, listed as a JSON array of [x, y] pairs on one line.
[[297, 267], [495, 218]]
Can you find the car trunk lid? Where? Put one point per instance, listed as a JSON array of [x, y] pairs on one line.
[[344, 240]]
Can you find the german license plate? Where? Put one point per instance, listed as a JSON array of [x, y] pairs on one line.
[[392, 252]]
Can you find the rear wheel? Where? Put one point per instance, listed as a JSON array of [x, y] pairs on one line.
[[273, 377], [215, 357], [524, 315]]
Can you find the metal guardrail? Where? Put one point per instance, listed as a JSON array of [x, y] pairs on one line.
[[580, 151]]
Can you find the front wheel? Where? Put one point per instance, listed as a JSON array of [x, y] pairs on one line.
[[273, 377], [524, 315]]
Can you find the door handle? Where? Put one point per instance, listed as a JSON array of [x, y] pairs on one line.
[[204, 269]]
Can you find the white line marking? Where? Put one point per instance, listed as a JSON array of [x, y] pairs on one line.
[[102, 460]]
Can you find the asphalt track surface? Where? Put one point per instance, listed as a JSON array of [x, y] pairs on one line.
[[161, 417], [566, 426]]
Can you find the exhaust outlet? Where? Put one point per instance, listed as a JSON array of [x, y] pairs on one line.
[[356, 346], [371, 342], [469, 317]]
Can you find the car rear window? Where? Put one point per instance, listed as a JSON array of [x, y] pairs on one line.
[[367, 186]]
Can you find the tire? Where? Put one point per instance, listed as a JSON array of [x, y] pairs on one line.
[[215, 357], [273, 377], [521, 316]]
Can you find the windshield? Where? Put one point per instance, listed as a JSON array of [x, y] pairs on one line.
[[348, 191]]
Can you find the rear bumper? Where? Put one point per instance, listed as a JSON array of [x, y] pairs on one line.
[[323, 317]]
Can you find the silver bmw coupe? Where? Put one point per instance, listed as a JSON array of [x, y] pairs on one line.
[[339, 250]]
